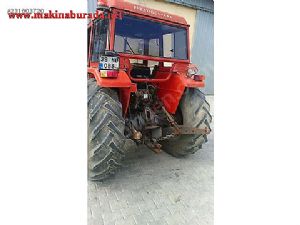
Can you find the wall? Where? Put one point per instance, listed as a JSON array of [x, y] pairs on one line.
[[203, 42], [207, 5], [203, 48]]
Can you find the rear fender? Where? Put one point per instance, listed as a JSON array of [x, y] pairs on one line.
[[171, 91], [122, 83]]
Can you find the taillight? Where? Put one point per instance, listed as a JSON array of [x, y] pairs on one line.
[[109, 73], [191, 72]]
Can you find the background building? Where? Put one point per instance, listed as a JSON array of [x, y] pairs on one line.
[[200, 15]]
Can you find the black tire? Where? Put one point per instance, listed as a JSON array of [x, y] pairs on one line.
[[193, 111], [106, 127]]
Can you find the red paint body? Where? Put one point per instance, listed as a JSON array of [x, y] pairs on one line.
[[170, 81]]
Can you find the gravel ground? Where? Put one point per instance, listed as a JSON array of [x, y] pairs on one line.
[[157, 189]]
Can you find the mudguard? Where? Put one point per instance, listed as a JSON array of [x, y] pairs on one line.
[[122, 83], [171, 91]]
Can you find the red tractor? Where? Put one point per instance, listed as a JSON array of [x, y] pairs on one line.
[[141, 86]]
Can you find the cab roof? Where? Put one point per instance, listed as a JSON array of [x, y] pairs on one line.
[[142, 10]]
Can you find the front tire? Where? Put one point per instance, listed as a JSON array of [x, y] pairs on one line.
[[105, 132], [193, 111]]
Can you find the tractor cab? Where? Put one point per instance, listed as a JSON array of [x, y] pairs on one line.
[[146, 43]]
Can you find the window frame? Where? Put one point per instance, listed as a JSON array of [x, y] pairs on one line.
[[93, 38], [156, 20]]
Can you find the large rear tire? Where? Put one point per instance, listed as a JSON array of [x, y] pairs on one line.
[[105, 132], [193, 111]]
